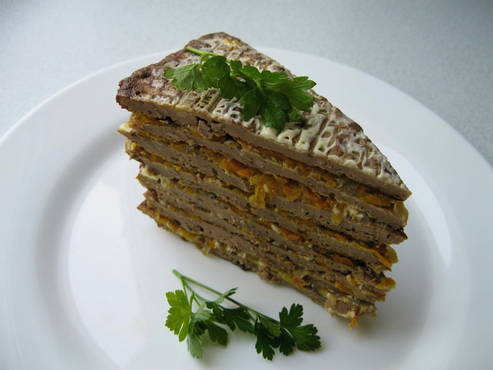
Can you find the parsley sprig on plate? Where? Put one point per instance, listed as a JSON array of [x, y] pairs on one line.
[[191, 316], [275, 96]]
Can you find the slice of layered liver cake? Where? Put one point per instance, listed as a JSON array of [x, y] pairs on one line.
[[311, 203]]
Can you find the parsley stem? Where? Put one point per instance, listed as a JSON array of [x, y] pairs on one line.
[[199, 52], [185, 279]]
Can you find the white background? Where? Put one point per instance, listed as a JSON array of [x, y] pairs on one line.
[[439, 52]]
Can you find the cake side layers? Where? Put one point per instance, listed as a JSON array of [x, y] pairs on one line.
[[305, 207], [321, 270], [376, 204], [303, 237]]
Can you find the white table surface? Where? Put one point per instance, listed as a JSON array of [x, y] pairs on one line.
[[439, 52]]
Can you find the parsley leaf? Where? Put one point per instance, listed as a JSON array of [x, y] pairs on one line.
[[194, 344], [214, 69], [241, 319], [265, 343], [274, 96], [273, 327], [216, 333], [189, 77], [179, 314], [293, 317], [274, 112], [306, 337], [294, 116], [287, 343], [232, 317], [229, 87], [251, 102], [213, 318]]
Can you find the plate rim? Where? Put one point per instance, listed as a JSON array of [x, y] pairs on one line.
[[444, 125]]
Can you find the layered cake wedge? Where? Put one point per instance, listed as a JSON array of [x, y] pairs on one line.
[[313, 204]]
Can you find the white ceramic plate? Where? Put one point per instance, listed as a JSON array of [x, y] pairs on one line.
[[83, 273]]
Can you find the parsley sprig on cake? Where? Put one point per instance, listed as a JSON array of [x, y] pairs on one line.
[[275, 96]]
